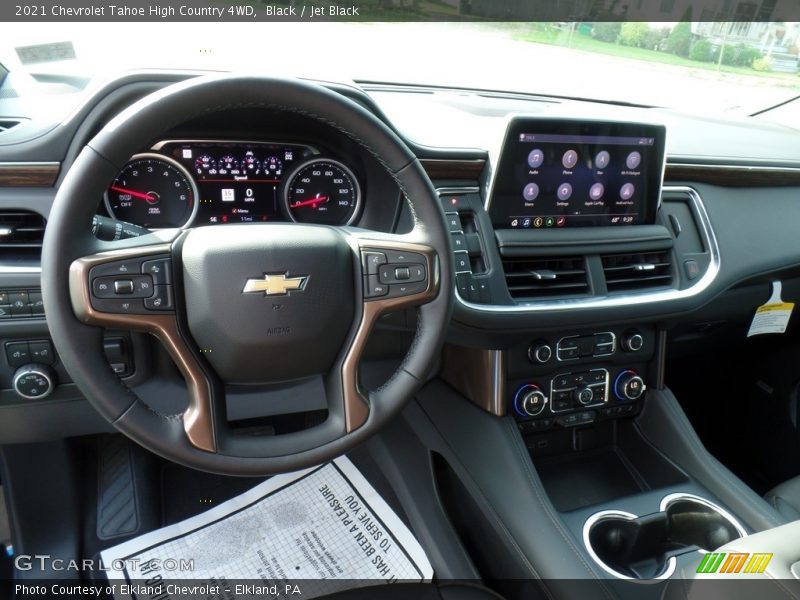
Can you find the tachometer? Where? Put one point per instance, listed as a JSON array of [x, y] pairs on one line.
[[153, 191], [322, 191]]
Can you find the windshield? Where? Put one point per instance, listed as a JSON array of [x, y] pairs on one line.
[[719, 68]]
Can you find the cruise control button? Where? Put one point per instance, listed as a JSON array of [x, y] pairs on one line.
[[126, 306], [120, 267], [159, 269], [371, 261], [373, 288], [161, 299]]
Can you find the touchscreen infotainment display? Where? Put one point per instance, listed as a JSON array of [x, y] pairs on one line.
[[568, 173]]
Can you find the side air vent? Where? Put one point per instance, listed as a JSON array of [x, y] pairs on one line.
[[531, 278], [6, 124], [641, 271]]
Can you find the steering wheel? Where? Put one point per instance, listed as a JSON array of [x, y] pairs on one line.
[[244, 304]]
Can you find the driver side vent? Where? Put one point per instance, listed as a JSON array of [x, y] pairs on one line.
[[21, 233], [641, 271], [531, 278], [6, 123]]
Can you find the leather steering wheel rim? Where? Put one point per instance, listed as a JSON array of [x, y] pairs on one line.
[[78, 338]]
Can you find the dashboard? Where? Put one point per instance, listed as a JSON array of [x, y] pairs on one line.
[[187, 183], [668, 256]]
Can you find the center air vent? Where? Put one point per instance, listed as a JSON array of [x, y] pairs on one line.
[[641, 271], [21, 233], [531, 278]]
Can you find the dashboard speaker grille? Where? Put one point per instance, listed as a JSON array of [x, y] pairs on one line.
[[531, 278], [640, 271]]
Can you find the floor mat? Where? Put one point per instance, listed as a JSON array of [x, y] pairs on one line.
[[323, 529]]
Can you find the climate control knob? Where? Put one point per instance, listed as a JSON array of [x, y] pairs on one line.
[[34, 381], [529, 400], [540, 352], [629, 386]]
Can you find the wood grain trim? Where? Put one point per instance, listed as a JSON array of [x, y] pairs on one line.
[[28, 174], [733, 175], [437, 168]]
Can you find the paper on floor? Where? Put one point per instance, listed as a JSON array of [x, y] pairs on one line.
[[325, 523]]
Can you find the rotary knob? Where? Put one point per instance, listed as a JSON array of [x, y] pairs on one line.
[[529, 400], [34, 381], [584, 395], [632, 341], [540, 352], [629, 386]]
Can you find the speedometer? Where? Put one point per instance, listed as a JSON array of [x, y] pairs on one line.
[[322, 191], [153, 191]]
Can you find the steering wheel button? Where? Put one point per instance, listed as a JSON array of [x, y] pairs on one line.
[[119, 267], [406, 289], [404, 258], [126, 306], [402, 274], [159, 269], [123, 286], [373, 288], [161, 299], [372, 261]]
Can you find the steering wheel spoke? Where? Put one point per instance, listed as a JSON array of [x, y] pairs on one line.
[[133, 288], [397, 272]]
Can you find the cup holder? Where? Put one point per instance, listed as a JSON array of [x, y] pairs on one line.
[[644, 548]]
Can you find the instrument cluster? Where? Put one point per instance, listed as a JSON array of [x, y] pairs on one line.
[[186, 183]]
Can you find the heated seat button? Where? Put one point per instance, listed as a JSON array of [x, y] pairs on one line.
[[161, 299]]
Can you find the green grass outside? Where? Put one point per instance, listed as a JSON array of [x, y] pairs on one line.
[[542, 34]]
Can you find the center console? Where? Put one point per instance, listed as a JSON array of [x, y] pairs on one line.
[[568, 260]]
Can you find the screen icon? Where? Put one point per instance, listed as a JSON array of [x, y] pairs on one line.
[[228, 195], [626, 191], [515, 222], [602, 159], [570, 159], [538, 222], [535, 158], [531, 192], [526, 222], [564, 191], [634, 160], [596, 191], [561, 221], [549, 221]]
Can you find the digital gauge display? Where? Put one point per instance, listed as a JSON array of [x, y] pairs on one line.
[[237, 182]]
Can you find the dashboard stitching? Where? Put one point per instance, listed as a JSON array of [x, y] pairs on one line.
[[545, 502]]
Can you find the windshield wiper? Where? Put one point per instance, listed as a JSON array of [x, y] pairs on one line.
[[778, 105]]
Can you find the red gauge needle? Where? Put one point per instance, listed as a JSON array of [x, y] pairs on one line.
[[122, 190], [311, 202]]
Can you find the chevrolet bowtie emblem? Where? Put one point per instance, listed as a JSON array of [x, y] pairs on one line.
[[275, 285]]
